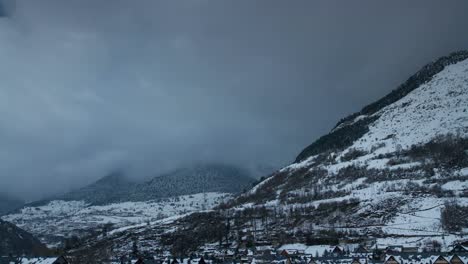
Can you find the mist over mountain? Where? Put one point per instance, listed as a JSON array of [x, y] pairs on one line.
[[192, 179], [197, 179], [111, 188], [9, 204], [395, 172], [227, 132]]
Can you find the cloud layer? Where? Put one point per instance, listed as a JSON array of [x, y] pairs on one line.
[[93, 86]]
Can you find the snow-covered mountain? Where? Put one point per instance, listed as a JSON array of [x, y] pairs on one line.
[[116, 187], [398, 168], [58, 220], [115, 202], [395, 173], [195, 179]]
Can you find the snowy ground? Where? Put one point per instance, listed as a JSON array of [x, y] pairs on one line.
[[438, 107], [66, 218]]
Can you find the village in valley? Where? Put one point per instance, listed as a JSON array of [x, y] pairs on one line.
[[286, 254]]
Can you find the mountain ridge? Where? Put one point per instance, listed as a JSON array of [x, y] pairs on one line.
[[116, 187], [204, 178], [396, 175], [338, 139]]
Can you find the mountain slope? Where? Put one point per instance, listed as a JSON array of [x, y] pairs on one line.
[[17, 241], [115, 202], [116, 188], [425, 128], [195, 179], [112, 188], [396, 173], [356, 125], [56, 221], [405, 153]]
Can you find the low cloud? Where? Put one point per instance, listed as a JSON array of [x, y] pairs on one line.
[[89, 87]]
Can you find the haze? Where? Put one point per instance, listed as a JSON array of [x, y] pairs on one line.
[[146, 86]]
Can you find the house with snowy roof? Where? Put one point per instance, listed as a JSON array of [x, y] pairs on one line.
[[391, 260], [441, 260], [459, 249], [337, 251], [456, 260], [361, 251]]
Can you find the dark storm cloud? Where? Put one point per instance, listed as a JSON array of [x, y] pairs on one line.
[[90, 86], [3, 10]]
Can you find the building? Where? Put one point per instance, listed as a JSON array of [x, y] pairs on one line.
[[391, 260], [361, 251], [337, 251], [456, 260], [441, 260], [459, 249]]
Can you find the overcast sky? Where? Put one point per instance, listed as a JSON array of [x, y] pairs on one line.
[[89, 86]]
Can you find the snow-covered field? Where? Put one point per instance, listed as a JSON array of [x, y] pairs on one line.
[[67, 218]]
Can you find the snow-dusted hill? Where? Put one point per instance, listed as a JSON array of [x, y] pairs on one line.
[[399, 170], [58, 219], [198, 178], [395, 173], [114, 202]]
